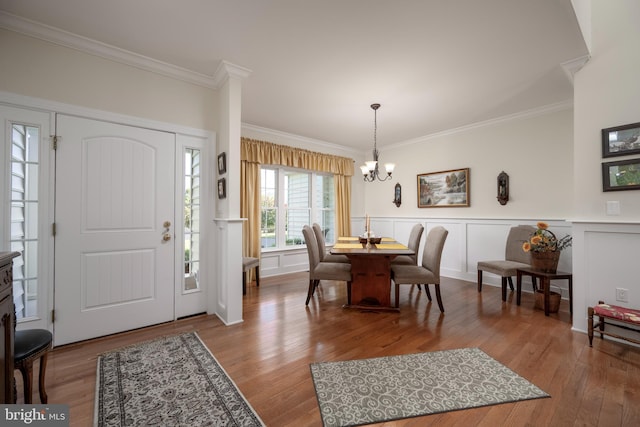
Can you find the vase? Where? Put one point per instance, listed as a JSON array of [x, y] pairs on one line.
[[545, 261], [554, 301]]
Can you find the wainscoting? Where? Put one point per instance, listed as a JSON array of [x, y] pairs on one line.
[[469, 241]]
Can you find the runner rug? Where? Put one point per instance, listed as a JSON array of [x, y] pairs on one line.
[[171, 381], [368, 391]]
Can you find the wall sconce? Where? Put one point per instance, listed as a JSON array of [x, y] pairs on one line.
[[397, 195], [503, 188]]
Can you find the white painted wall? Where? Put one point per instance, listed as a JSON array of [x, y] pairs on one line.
[[607, 93], [36, 68], [535, 149]]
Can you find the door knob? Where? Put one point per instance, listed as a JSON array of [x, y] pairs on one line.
[[167, 224], [166, 237]]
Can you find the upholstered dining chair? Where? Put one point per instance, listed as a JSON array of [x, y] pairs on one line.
[[322, 247], [427, 273], [413, 244], [514, 258], [323, 270]]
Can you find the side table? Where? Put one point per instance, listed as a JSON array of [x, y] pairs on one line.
[[545, 284]]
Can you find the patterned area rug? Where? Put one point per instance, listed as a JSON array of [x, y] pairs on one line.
[[366, 391], [171, 381]]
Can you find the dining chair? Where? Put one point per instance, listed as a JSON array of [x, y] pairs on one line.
[[322, 247], [414, 245], [323, 270], [427, 273], [514, 258]]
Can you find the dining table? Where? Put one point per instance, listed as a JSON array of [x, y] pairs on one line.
[[370, 270]]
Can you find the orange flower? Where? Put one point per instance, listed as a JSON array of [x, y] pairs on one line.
[[536, 239], [526, 246], [542, 225]]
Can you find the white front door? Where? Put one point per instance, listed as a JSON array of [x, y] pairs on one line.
[[114, 244]]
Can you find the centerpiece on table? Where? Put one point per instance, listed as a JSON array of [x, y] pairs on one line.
[[545, 248]]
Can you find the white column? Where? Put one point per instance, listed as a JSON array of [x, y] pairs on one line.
[[225, 299]]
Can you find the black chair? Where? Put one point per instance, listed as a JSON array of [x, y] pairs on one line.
[[30, 345]]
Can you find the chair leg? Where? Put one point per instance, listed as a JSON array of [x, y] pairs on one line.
[[426, 290], [479, 280], [27, 380], [310, 291], [510, 283], [43, 367], [438, 297], [244, 283], [258, 276], [504, 289]]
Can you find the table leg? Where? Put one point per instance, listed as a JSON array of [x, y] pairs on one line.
[[571, 296], [518, 286], [546, 284]]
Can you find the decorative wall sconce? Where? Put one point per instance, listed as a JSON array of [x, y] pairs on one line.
[[397, 195], [503, 188]]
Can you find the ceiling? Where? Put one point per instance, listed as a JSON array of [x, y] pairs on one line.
[[316, 66]]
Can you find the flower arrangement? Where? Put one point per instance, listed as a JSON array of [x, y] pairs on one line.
[[543, 240]]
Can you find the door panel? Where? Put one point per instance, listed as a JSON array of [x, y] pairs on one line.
[[114, 228]]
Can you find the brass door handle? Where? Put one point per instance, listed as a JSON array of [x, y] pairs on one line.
[[166, 237]]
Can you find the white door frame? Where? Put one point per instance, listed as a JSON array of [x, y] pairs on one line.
[[207, 138]]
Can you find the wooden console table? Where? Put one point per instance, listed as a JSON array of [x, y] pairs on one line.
[[545, 284], [370, 271]]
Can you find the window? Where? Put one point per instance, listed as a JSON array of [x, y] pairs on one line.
[[290, 199], [24, 218], [191, 218]]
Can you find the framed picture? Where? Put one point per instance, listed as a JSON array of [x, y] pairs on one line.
[[621, 140], [444, 189], [222, 188], [621, 175], [222, 163]]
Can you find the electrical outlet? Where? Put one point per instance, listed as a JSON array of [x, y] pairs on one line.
[[622, 295]]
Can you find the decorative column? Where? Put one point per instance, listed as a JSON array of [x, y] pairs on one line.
[[225, 294]]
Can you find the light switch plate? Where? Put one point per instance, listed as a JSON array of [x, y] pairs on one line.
[[613, 208]]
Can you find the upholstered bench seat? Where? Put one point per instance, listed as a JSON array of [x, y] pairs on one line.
[[621, 317]]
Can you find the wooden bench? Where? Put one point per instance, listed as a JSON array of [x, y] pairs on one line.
[[247, 264], [613, 315]]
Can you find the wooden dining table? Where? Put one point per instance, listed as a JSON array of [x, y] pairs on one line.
[[370, 270]]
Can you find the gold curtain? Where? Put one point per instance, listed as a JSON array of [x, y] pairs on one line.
[[253, 153]]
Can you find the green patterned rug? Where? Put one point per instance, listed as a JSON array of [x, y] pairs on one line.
[[171, 381], [389, 388]]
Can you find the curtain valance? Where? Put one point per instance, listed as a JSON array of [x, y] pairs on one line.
[[268, 153]]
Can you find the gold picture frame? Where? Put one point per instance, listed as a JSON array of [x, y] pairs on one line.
[[444, 189]]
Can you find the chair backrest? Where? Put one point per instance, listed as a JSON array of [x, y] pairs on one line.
[[433, 250], [414, 240], [517, 236], [322, 249], [312, 247]]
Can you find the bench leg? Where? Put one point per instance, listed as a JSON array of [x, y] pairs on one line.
[[479, 280], [590, 326]]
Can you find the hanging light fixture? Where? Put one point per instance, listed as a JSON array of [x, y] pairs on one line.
[[370, 168]]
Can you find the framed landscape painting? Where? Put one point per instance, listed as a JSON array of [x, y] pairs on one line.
[[444, 189], [622, 175], [621, 140]]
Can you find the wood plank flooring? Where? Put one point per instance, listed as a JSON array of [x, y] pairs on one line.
[[268, 355]]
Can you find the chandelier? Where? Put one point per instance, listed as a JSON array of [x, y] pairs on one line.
[[370, 168]]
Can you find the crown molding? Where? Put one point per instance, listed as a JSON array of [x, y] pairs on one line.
[[83, 44], [299, 138], [573, 66], [547, 109]]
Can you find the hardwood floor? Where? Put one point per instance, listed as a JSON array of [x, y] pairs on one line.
[[268, 355]]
